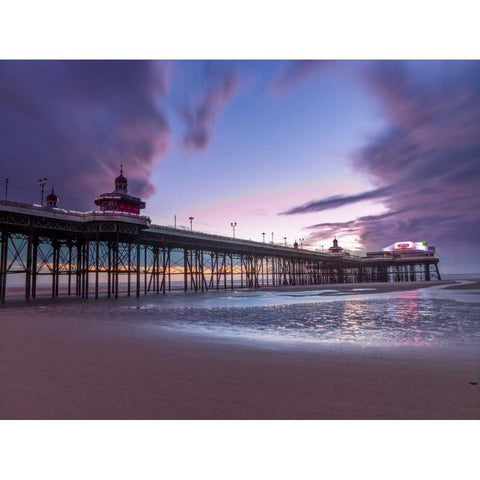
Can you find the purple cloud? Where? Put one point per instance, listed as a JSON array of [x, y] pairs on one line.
[[426, 163], [74, 122], [296, 73], [200, 114], [337, 201]]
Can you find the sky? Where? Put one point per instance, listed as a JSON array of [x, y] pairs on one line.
[[372, 152]]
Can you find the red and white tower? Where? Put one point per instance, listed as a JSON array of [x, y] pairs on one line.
[[119, 200], [52, 199]]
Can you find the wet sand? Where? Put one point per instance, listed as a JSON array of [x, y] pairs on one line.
[[16, 295], [85, 366], [475, 285], [364, 288]]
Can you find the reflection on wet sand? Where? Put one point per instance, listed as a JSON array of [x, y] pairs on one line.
[[432, 316]]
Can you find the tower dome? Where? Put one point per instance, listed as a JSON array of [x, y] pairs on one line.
[[119, 200], [335, 248], [121, 182], [52, 199]]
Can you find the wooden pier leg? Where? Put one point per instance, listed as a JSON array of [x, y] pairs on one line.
[[97, 255], [224, 271], [117, 266], [196, 276], [241, 271], [138, 269], [109, 269], [426, 272], [145, 269], [3, 266], [34, 267], [87, 269], [2, 248], [69, 286], [54, 267], [129, 252], [28, 272], [164, 272], [261, 270], [158, 270], [185, 266], [201, 273], [217, 268], [169, 266], [84, 263], [57, 277], [438, 273]]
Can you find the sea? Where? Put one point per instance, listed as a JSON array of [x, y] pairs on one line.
[[435, 316], [362, 316]]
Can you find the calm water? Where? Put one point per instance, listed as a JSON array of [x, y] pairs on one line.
[[432, 316]]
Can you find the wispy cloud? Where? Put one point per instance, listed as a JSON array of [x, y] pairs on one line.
[[338, 201], [297, 72], [200, 114]]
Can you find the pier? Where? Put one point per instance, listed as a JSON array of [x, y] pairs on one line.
[[95, 254]]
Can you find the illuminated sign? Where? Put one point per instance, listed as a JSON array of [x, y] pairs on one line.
[[403, 246], [406, 245]]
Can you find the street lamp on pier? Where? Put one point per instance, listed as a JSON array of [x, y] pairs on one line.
[[263, 233], [191, 220], [233, 225], [301, 242], [285, 241], [42, 182], [272, 238]]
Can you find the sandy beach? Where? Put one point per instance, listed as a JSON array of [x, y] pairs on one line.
[[474, 285], [85, 366], [16, 295]]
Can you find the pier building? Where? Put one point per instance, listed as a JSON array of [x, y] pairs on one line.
[[119, 200]]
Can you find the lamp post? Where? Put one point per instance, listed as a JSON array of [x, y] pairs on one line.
[[263, 233], [191, 220], [285, 241], [42, 182], [321, 246], [233, 225], [301, 242], [272, 238]]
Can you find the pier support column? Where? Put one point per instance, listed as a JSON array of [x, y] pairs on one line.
[[3, 266], [34, 266], [438, 273], [28, 270], [55, 267], [129, 253], [138, 269], [78, 269], [116, 260], [427, 272], [185, 267], [87, 269], [69, 288], [97, 253]]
